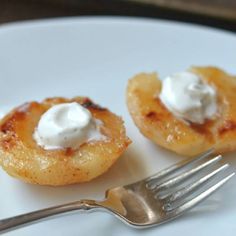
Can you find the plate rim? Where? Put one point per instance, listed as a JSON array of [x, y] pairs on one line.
[[44, 22]]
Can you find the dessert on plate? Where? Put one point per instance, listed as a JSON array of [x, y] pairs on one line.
[[60, 141], [187, 112]]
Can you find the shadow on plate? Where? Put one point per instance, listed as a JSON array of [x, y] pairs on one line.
[[230, 158]]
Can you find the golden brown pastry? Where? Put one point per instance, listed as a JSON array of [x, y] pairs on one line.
[[23, 158], [157, 123]]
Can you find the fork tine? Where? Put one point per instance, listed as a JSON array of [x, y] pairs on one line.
[[185, 175], [172, 211], [178, 166], [185, 191]]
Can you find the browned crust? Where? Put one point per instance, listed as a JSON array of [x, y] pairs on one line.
[[159, 125], [21, 157], [228, 126]]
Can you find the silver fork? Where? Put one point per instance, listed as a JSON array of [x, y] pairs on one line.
[[149, 202]]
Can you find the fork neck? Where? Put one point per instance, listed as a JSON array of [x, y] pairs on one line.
[[19, 221]]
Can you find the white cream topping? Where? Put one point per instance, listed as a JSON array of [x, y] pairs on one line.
[[188, 97], [66, 125]]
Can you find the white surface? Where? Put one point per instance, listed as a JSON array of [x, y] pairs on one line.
[[187, 96], [96, 57], [66, 125]]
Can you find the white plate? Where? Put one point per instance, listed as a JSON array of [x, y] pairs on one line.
[[95, 57]]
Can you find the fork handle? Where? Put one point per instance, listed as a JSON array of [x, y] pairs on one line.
[[19, 221]]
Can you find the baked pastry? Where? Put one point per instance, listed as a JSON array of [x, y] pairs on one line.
[[22, 157], [157, 122]]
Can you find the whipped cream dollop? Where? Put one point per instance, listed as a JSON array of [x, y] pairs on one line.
[[66, 125], [188, 97]]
